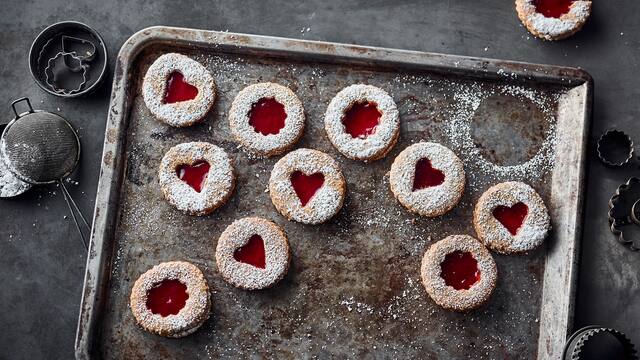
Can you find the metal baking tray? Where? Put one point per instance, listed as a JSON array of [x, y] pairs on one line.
[[353, 290]]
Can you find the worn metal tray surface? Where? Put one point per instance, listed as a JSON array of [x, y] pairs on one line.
[[353, 290]]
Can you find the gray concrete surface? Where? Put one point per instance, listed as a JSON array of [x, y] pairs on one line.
[[41, 258]]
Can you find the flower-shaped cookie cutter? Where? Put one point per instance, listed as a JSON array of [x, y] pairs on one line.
[[50, 75], [604, 341], [614, 148], [624, 211]]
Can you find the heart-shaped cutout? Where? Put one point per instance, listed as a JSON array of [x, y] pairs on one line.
[[306, 186], [194, 175], [252, 252], [426, 175], [361, 119], [178, 89], [267, 116], [511, 217]]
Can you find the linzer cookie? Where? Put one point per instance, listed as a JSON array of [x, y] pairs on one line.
[[427, 179], [362, 122], [177, 90], [196, 177], [307, 186], [459, 273], [553, 19], [253, 253], [266, 118], [172, 299], [511, 218]]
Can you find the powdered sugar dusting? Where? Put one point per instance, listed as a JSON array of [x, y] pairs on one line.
[[445, 295], [366, 257], [218, 185], [386, 132], [534, 229], [195, 311], [10, 185], [431, 201], [458, 129], [550, 28], [184, 113], [327, 200], [276, 248], [248, 137]]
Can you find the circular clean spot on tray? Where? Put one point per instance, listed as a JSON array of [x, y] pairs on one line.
[[508, 130]]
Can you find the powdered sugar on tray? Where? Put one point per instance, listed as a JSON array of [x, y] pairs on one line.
[[458, 129], [354, 286]]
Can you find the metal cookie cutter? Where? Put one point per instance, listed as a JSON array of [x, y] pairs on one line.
[[624, 213], [595, 342], [43, 50], [615, 148], [68, 37], [50, 75], [84, 49]]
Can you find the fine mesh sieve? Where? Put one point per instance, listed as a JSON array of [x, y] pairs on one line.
[[39, 147]]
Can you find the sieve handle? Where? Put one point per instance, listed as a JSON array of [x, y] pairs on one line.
[[73, 208], [13, 106]]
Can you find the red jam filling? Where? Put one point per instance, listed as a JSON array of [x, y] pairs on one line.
[[267, 116], [426, 175], [460, 270], [553, 8], [194, 175], [252, 252], [167, 298], [511, 217], [306, 186], [179, 90], [361, 119]]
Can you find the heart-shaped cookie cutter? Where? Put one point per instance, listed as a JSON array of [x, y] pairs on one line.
[[86, 56]]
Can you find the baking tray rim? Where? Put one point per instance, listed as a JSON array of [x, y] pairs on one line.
[[106, 209]]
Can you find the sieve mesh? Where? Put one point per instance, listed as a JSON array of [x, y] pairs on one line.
[[40, 147]]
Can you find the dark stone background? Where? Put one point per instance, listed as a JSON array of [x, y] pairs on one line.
[[41, 258]]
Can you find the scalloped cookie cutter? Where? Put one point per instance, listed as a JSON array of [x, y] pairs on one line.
[[50, 76]]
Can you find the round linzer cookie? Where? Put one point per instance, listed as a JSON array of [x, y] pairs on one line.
[[553, 19], [511, 218], [196, 177], [172, 299], [427, 179], [459, 273], [177, 90], [362, 122], [253, 253], [307, 186], [266, 118]]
